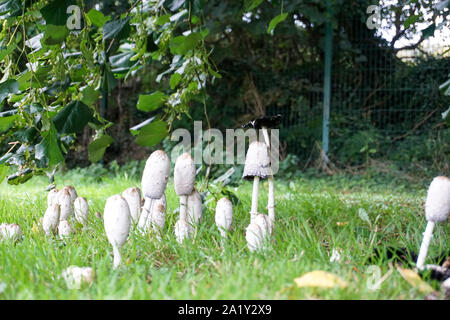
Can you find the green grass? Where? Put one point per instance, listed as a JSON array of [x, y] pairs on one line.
[[314, 215]]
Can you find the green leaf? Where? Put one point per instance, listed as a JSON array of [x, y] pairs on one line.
[[26, 135], [429, 31], [97, 18], [7, 122], [98, 147], [411, 20], [251, 4], [151, 102], [275, 21], [182, 44], [47, 153], [4, 51], [3, 172], [72, 118], [55, 12], [89, 95], [7, 87], [162, 20], [54, 35], [174, 80], [152, 134], [118, 29]]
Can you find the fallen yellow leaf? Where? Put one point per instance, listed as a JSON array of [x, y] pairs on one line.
[[415, 281], [320, 279]]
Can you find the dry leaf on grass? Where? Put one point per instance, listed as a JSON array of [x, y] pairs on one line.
[[320, 279], [415, 281]]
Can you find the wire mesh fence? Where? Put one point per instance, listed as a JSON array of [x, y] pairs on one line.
[[378, 96]]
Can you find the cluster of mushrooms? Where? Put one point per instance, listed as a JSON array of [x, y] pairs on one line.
[[122, 212], [62, 205], [147, 211]]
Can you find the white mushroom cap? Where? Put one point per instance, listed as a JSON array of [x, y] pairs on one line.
[[65, 203], [194, 207], [183, 230], [64, 229], [51, 219], [158, 214], [437, 205], [184, 175], [133, 197], [224, 215], [263, 221], [76, 276], [155, 216], [156, 174], [10, 231], [257, 231], [117, 220], [257, 161], [72, 192], [81, 209], [52, 197]]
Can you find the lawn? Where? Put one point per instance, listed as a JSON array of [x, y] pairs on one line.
[[314, 215]]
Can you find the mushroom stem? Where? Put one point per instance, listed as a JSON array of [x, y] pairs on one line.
[[183, 208], [271, 197], [425, 244], [254, 210], [117, 257]]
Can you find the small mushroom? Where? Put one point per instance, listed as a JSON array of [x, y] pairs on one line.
[[52, 197], [257, 166], [194, 207], [437, 209], [158, 214], [224, 216], [64, 229], [117, 220], [75, 276], [10, 231], [50, 221], [133, 197], [65, 203], [153, 217], [184, 179], [81, 209], [73, 193], [257, 232], [154, 181]]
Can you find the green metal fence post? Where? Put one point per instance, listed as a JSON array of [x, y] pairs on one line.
[[327, 84]]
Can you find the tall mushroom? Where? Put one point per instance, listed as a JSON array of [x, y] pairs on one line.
[[437, 209], [194, 207], [133, 197], [184, 179], [65, 203], [117, 220], [72, 192], [52, 197], [50, 221], [257, 166], [81, 209], [154, 182], [224, 216], [264, 123]]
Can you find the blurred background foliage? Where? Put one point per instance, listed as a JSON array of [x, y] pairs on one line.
[[386, 108]]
